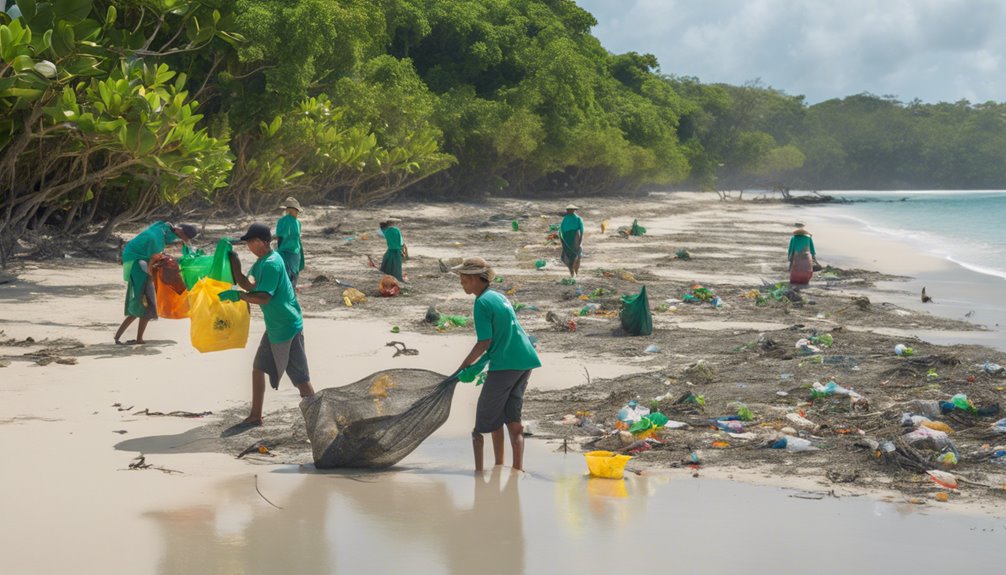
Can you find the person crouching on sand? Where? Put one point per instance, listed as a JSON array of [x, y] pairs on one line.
[[511, 359], [140, 300], [281, 349]]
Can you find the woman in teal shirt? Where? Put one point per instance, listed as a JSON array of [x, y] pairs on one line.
[[140, 300], [571, 235], [288, 242], [511, 358], [391, 264], [802, 257]]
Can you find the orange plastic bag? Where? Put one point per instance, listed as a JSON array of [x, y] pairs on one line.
[[389, 287], [169, 288], [216, 325]]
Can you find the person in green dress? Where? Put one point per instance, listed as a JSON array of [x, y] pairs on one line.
[[391, 264], [802, 256], [288, 242], [140, 300], [571, 235], [502, 342], [281, 349]]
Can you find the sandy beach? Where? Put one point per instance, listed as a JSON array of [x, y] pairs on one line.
[[72, 414]]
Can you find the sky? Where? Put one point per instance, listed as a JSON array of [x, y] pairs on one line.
[[933, 50]]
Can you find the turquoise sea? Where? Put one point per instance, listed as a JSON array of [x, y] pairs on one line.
[[964, 227]]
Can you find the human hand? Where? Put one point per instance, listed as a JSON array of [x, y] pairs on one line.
[[235, 261], [230, 295]]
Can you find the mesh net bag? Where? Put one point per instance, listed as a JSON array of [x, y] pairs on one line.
[[377, 421]]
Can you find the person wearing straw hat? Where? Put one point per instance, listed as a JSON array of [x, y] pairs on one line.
[[391, 264], [802, 256], [501, 342], [136, 255], [288, 242], [571, 235]]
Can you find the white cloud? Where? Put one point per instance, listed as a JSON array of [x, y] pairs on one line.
[[934, 50]]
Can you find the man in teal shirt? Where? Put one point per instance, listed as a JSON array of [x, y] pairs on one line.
[[140, 300], [571, 235], [281, 349], [288, 242], [511, 358]]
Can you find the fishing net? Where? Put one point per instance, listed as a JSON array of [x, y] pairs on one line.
[[378, 420]]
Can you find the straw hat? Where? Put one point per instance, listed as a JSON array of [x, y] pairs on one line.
[[475, 267], [571, 207], [291, 202], [801, 232], [393, 220]]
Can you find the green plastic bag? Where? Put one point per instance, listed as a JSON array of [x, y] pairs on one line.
[[221, 268], [194, 265], [636, 317], [447, 321]]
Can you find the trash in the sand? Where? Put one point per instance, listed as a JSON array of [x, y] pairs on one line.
[[635, 316], [540, 264], [698, 294], [785, 376], [801, 421], [999, 426], [354, 296], [790, 443], [961, 401], [682, 254], [648, 423], [606, 464], [943, 479], [716, 302], [515, 225], [432, 315], [999, 457], [568, 281], [993, 368], [927, 407], [519, 307], [401, 349], [691, 399], [823, 340], [938, 426], [636, 229], [932, 374], [903, 350], [389, 286], [806, 347], [831, 388], [720, 445], [730, 426], [695, 457], [589, 309], [448, 321], [395, 329], [744, 412], [930, 439], [627, 276], [632, 412], [554, 227], [652, 348], [947, 459]]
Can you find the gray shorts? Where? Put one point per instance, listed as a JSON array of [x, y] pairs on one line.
[[501, 400], [288, 357]]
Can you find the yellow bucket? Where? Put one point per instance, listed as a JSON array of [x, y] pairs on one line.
[[606, 464]]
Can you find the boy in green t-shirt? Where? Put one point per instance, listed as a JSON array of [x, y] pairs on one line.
[[511, 358], [282, 346], [288, 242]]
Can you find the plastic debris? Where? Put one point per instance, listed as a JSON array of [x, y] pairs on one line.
[[790, 443], [903, 350], [993, 368], [652, 348], [943, 479]]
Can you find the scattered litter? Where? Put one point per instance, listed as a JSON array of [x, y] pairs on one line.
[[943, 479], [401, 349], [790, 443], [652, 348], [993, 368], [903, 350]]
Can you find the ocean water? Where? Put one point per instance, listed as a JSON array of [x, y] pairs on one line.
[[964, 227]]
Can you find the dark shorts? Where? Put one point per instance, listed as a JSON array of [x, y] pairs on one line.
[[270, 359], [501, 400]]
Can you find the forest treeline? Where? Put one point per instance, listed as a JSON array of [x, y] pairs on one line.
[[111, 110]]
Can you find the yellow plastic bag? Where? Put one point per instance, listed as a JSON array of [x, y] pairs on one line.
[[353, 295], [216, 325]]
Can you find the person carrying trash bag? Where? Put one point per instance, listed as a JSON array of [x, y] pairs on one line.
[[391, 264], [288, 242], [141, 302], [802, 257], [281, 349], [571, 235], [510, 357], [636, 316]]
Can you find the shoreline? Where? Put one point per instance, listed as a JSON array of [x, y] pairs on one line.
[[58, 418]]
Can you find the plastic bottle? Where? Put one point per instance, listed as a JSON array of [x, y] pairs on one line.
[[927, 407], [790, 443]]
